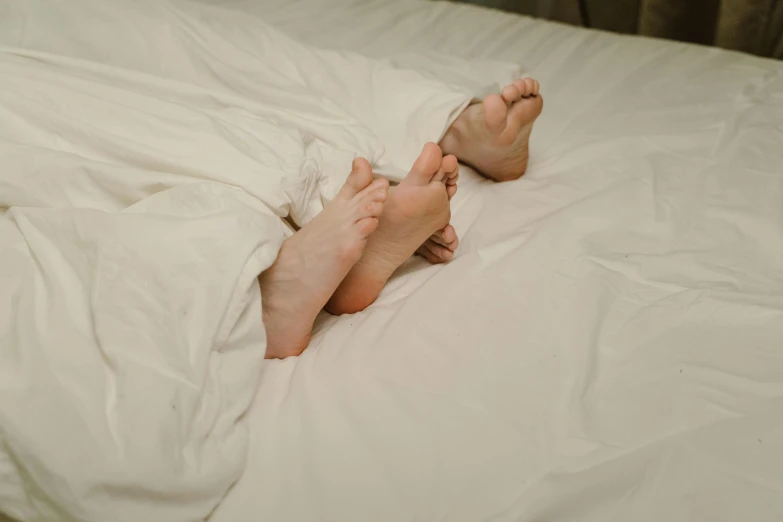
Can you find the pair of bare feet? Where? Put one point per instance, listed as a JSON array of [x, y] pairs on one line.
[[342, 259]]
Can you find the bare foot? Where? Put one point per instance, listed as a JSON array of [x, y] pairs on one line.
[[416, 208], [440, 247], [493, 136], [313, 261]]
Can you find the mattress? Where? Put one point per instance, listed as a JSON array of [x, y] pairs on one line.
[[608, 342]]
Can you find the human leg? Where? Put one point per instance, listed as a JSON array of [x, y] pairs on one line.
[[415, 209], [313, 262]]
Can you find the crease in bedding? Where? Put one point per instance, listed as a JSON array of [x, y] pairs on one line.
[[149, 151], [605, 344]]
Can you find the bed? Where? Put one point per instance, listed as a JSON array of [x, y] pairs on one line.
[[608, 342]]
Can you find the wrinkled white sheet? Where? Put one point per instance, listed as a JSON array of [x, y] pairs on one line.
[[148, 152], [605, 346], [608, 343]]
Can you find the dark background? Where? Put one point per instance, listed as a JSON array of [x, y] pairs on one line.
[[753, 26]]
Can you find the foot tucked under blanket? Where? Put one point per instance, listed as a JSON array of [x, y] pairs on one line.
[[149, 151]]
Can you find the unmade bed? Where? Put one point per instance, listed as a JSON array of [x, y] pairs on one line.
[[606, 345]]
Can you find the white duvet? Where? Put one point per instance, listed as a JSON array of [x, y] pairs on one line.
[[148, 151]]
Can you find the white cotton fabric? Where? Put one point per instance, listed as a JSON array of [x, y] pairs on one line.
[[148, 151], [606, 345]]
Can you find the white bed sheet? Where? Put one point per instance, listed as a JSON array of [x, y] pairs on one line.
[[608, 343]]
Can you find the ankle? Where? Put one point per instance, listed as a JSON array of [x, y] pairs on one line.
[[287, 334]]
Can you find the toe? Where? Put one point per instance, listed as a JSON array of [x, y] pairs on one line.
[[372, 209], [450, 164], [448, 234], [437, 239], [426, 166], [437, 253], [452, 177], [521, 85], [510, 93], [448, 167], [536, 87], [440, 175], [358, 180], [446, 237], [495, 112], [380, 194], [529, 84], [369, 202], [378, 190], [367, 226]]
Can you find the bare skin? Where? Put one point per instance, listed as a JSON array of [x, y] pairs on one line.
[[313, 262], [414, 211], [493, 136], [344, 257], [440, 247]]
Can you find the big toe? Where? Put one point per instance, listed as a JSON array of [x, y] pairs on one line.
[[358, 180], [426, 165]]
